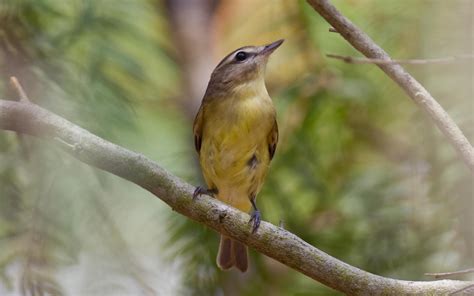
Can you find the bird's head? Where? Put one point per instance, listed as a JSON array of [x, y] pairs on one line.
[[242, 66]]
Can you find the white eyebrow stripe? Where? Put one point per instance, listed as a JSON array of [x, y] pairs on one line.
[[230, 56]]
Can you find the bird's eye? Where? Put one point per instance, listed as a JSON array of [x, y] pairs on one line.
[[241, 56]]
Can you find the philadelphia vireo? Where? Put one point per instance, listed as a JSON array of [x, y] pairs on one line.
[[236, 134]]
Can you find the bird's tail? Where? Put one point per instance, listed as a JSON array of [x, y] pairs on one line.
[[232, 253]]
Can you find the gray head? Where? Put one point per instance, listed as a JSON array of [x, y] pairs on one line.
[[241, 66]]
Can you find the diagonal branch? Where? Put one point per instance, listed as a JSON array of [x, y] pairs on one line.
[[273, 241], [363, 43]]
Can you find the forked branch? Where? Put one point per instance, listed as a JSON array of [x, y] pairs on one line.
[[363, 43]]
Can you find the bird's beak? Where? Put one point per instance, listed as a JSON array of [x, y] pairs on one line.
[[269, 48]]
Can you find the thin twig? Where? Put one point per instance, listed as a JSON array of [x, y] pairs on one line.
[[465, 289], [443, 275], [357, 60], [363, 43], [19, 89], [74, 147]]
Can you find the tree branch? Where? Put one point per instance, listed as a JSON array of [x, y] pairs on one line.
[[363, 43], [273, 241]]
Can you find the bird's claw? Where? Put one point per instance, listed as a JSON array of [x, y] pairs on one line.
[[255, 218], [201, 190]]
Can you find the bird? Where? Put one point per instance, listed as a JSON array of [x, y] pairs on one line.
[[236, 135]]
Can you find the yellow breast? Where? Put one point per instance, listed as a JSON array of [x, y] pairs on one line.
[[235, 132]]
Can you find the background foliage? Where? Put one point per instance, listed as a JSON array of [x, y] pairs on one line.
[[359, 172]]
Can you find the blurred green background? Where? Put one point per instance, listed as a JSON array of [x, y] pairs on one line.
[[359, 171]]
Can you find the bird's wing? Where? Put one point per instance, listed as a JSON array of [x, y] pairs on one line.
[[197, 129], [273, 139]]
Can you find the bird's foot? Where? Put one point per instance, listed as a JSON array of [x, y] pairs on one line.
[[255, 219], [201, 190]]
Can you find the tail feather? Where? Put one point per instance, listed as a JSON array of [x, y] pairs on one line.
[[240, 255], [225, 258], [232, 253]]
